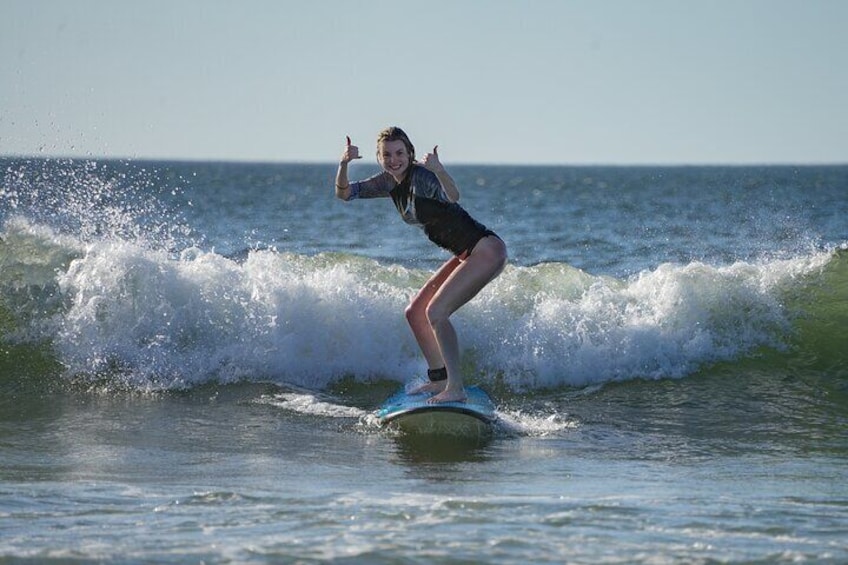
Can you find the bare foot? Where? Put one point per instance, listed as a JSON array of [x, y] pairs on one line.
[[437, 386], [449, 396]]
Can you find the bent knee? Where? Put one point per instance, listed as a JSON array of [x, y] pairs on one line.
[[436, 315], [416, 310]]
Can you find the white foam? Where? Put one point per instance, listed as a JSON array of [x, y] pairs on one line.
[[305, 403], [659, 324], [302, 320], [158, 320], [538, 425]]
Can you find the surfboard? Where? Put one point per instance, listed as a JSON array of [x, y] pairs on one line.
[[412, 414]]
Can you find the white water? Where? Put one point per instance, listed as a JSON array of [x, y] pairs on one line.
[[156, 320]]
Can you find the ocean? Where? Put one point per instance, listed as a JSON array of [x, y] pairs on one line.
[[191, 353]]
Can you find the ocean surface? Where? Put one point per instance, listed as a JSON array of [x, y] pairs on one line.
[[191, 352]]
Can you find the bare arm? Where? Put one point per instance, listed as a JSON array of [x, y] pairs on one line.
[[432, 163], [351, 152]]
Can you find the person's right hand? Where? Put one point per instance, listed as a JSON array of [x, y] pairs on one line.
[[351, 152]]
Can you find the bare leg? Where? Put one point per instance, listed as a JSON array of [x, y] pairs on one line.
[[416, 315], [484, 263]]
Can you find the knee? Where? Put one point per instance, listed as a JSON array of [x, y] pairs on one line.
[[435, 315], [415, 311]]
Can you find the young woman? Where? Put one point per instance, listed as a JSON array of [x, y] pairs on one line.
[[426, 196]]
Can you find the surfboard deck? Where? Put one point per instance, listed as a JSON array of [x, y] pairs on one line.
[[412, 414]]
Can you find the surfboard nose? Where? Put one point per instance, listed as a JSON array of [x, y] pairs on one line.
[[411, 413]]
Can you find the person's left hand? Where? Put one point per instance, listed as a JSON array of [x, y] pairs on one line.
[[431, 161]]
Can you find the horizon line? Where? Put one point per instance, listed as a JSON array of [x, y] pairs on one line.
[[259, 161]]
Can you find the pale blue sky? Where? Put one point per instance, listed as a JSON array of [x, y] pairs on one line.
[[534, 81]]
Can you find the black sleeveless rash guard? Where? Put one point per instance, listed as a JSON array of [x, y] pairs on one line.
[[422, 202]]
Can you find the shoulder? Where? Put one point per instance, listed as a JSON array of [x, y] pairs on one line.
[[380, 178], [421, 173], [426, 183], [372, 187]]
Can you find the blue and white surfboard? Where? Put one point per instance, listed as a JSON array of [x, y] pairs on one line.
[[412, 414]]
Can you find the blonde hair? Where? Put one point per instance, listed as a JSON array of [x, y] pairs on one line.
[[394, 133]]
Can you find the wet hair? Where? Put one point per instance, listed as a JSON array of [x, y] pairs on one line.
[[394, 133]]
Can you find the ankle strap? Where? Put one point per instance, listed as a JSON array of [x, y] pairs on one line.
[[436, 375]]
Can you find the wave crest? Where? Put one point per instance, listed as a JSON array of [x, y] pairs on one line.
[[153, 319]]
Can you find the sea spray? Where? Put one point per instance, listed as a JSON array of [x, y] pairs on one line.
[[153, 320], [91, 201], [659, 324], [185, 321], [277, 472], [97, 264]]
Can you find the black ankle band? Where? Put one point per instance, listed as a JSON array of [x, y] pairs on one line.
[[436, 375]]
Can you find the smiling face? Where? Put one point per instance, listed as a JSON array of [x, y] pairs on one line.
[[394, 158]]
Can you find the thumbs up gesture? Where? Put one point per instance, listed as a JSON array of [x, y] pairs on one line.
[[431, 161], [351, 152]]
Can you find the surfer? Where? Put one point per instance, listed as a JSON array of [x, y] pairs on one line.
[[426, 196]]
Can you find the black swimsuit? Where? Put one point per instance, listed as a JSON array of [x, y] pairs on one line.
[[422, 202]]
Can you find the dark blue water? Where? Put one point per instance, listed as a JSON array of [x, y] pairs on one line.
[[191, 352]]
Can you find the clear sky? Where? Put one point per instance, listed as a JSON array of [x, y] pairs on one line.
[[490, 81]]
